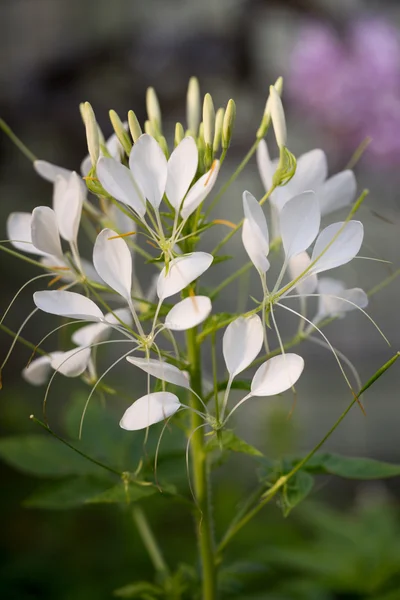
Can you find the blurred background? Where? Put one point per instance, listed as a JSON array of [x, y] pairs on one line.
[[340, 60]]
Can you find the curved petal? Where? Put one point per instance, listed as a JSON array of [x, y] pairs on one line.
[[67, 304], [149, 167], [332, 306], [19, 232], [161, 370], [38, 372], [182, 167], [188, 313], [343, 248], [99, 332], [44, 231], [277, 375], [338, 191], [299, 222], [241, 343], [59, 266], [200, 190], [182, 271], [118, 181], [149, 409], [49, 171], [67, 203], [297, 265], [255, 247], [72, 363], [266, 167], [113, 262], [255, 215]]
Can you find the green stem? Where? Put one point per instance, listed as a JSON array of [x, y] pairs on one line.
[[22, 340], [200, 473], [237, 525], [15, 140], [149, 541]]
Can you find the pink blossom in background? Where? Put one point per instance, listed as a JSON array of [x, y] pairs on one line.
[[349, 83]]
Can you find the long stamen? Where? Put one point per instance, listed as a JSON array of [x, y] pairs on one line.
[[35, 310]]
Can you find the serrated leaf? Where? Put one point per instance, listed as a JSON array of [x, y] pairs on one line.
[[139, 590], [296, 490], [350, 467], [44, 456], [123, 494], [70, 493], [230, 441]]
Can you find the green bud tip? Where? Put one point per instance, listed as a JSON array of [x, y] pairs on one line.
[[120, 131], [228, 124], [134, 126], [193, 107], [208, 120], [92, 133], [153, 108], [179, 133], [219, 119]]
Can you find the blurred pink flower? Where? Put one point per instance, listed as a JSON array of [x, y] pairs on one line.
[[350, 84]]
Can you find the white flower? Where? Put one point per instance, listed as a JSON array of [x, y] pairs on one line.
[[150, 409]]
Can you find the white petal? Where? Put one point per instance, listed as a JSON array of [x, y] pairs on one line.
[[299, 222], [44, 231], [38, 372], [241, 343], [86, 166], [342, 250], [200, 190], [118, 181], [297, 265], [49, 171], [338, 191], [278, 117], [72, 363], [266, 167], [59, 266], [332, 306], [113, 262], [188, 313], [182, 167], [255, 247], [255, 214], [114, 146], [182, 271], [67, 203], [19, 232], [149, 167], [90, 272], [150, 409], [161, 370], [67, 304], [277, 375], [99, 332]]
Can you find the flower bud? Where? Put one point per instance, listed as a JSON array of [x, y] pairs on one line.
[[150, 129], [153, 109], [179, 134], [134, 126], [92, 133], [278, 117], [266, 120], [121, 132], [219, 119], [228, 124], [164, 146], [286, 168], [208, 120], [193, 106]]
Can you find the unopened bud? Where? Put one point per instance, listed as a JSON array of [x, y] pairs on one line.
[[164, 146], [150, 129], [179, 134], [92, 133], [121, 132], [278, 117], [134, 126], [266, 120], [228, 124], [193, 106], [208, 120], [286, 167], [153, 108], [219, 119]]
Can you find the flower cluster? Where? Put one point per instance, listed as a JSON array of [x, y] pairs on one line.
[[139, 190]]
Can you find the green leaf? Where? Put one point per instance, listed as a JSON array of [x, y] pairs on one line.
[[220, 259], [230, 441], [296, 490], [70, 493], [44, 456], [350, 467], [142, 589], [124, 494]]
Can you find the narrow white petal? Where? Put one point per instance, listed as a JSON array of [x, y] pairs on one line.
[[67, 203], [182, 271], [338, 191], [278, 117], [277, 375], [44, 231], [149, 167], [98, 332], [38, 372], [266, 167], [255, 214], [182, 167], [161, 370], [19, 232], [113, 262], [72, 363], [241, 343], [188, 313], [297, 265], [342, 250], [299, 222], [255, 247], [119, 182], [332, 306], [200, 190], [67, 304], [49, 171], [150, 409]]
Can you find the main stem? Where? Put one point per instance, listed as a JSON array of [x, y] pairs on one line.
[[201, 475]]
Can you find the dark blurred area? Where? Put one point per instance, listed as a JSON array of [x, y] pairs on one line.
[[341, 64]]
